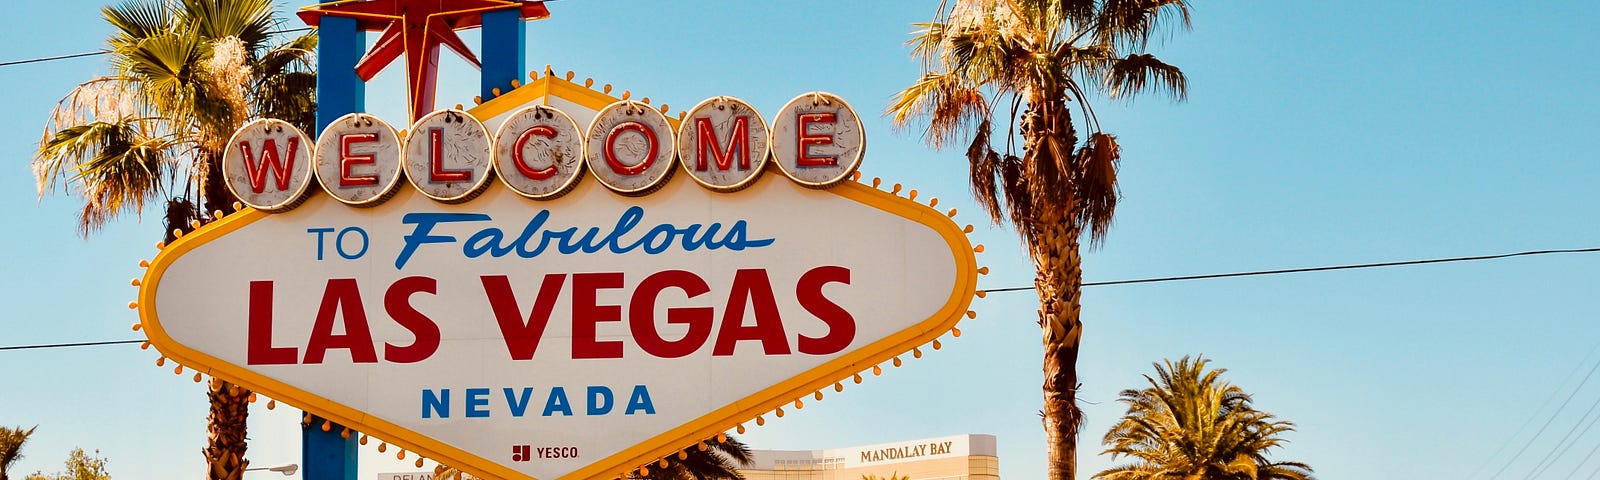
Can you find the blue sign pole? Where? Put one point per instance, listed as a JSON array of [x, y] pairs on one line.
[[504, 39], [327, 455]]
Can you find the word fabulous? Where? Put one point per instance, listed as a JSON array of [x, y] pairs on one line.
[[540, 152]]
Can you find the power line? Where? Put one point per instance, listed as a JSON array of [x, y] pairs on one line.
[[1120, 282], [103, 52], [1318, 269], [77, 344]]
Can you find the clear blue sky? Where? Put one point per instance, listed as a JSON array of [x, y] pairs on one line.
[[1316, 133]]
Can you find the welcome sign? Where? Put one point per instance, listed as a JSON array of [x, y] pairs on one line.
[[550, 301]]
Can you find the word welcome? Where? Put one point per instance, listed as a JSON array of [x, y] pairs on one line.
[[540, 152]]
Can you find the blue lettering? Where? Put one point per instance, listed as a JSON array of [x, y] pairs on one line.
[[599, 400], [485, 241], [557, 402], [338, 243], [437, 404], [321, 234], [477, 399], [518, 406], [640, 401], [422, 234]]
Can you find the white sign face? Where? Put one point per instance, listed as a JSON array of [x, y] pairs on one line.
[[723, 143], [447, 156], [817, 139], [578, 337], [358, 159], [267, 165], [538, 152], [630, 148]]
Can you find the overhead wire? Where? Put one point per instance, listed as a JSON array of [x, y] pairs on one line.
[[26, 61], [1145, 280]]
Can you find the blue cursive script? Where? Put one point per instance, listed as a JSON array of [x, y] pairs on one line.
[[535, 238]]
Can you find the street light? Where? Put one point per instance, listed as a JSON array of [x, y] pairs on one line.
[[286, 470]]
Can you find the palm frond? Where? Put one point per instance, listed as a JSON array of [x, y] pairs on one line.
[[1131, 23], [1142, 73], [950, 107], [136, 20], [250, 20]]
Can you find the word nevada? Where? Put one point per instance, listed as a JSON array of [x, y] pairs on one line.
[[541, 153]]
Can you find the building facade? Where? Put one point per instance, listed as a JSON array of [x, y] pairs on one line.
[[956, 457]]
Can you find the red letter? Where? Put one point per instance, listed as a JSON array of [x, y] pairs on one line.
[[341, 295], [269, 158], [259, 338], [841, 326], [397, 302], [751, 286], [348, 159], [437, 173], [803, 157], [611, 150], [522, 336], [516, 153], [586, 314], [738, 142], [642, 314]]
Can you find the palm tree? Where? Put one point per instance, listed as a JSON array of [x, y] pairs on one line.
[[1189, 424], [11, 440], [1032, 59], [892, 476], [185, 75]]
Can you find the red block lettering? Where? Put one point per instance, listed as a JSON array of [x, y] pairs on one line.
[[642, 314], [738, 143], [841, 326], [516, 153], [436, 171], [806, 139], [611, 150], [259, 334], [522, 336], [257, 171], [397, 302], [341, 295], [586, 315], [751, 286], [348, 159]]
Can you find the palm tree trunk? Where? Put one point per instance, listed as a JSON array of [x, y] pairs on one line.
[[226, 429], [1060, 277]]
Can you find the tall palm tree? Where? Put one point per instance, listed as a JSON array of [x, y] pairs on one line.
[[185, 75], [11, 440], [1030, 60], [1190, 424]]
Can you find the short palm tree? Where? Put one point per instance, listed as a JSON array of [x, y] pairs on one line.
[[1189, 424], [185, 75], [11, 441], [1031, 60]]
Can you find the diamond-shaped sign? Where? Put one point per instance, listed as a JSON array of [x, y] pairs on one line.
[[578, 337]]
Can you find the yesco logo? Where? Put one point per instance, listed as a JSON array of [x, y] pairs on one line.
[[539, 152]]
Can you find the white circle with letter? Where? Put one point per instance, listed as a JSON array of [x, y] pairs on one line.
[[538, 152], [447, 156], [723, 143], [630, 148], [817, 139], [267, 165], [358, 160]]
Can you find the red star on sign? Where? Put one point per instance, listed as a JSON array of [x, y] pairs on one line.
[[417, 28]]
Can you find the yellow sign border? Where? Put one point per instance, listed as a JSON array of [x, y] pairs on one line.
[[647, 451]]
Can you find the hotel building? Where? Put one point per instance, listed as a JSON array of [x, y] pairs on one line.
[[956, 457]]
